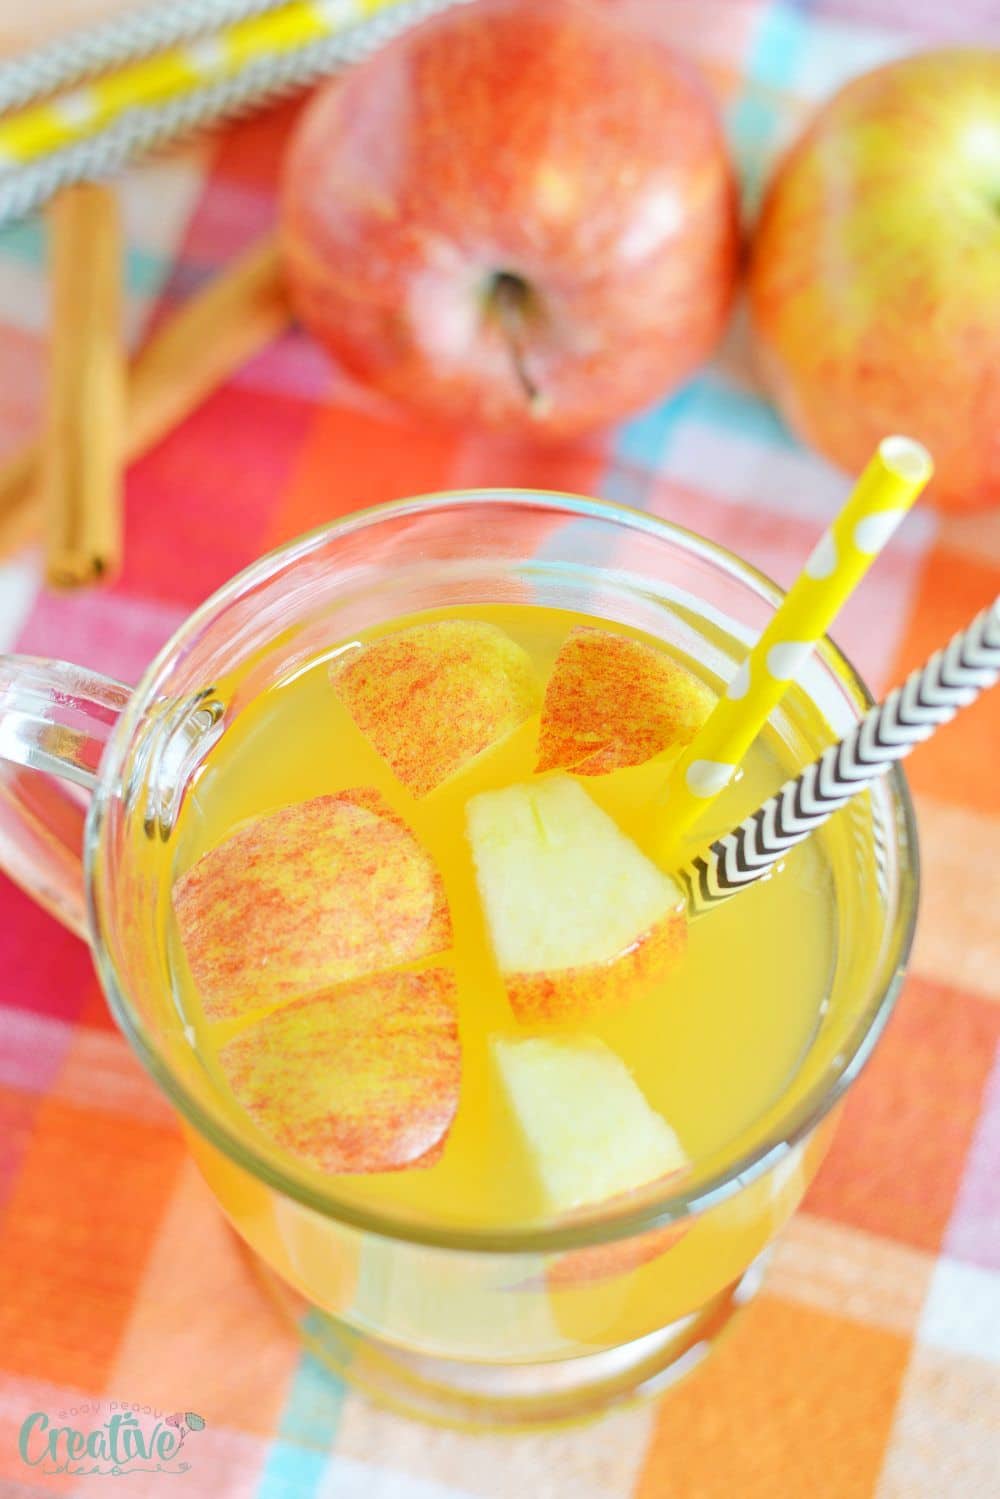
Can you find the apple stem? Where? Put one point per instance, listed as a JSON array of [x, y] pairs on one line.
[[510, 299]]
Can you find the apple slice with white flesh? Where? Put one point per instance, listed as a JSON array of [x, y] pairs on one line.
[[307, 897], [613, 701], [588, 1128], [592, 1137], [580, 920], [363, 1078], [432, 697]]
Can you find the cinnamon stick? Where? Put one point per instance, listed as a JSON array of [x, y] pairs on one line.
[[81, 476], [196, 349]]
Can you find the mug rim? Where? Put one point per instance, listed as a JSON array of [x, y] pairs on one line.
[[588, 1227]]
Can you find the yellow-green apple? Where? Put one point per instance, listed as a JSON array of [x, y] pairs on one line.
[[612, 701], [306, 897], [432, 697], [580, 920], [520, 213], [362, 1078], [875, 276]]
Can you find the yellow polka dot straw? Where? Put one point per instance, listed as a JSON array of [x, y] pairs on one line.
[[888, 487], [70, 117], [138, 102]]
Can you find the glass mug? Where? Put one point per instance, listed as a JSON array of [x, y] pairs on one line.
[[451, 1323]]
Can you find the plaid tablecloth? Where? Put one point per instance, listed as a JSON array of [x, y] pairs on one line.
[[871, 1363]]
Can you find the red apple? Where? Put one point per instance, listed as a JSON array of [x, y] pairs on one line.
[[520, 213], [875, 277]]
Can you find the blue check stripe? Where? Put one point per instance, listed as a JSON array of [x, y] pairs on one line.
[[770, 69], [298, 1456], [23, 243]]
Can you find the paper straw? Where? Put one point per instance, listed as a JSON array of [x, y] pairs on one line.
[[122, 38], [92, 132], [931, 696], [884, 493], [171, 73]]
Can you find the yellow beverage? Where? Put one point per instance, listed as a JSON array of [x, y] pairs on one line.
[[713, 1048]]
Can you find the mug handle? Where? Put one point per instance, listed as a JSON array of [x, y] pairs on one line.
[[56, 719]]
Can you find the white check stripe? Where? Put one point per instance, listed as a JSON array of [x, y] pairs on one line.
[[962, 1311]]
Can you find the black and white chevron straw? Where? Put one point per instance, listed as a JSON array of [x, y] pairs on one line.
[[932, 695]]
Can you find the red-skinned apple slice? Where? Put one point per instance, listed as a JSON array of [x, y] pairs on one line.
[[432, 697], [597, 1262], [363, 1078], [613, 701], [306, 897], [587, 1126], [580, 920], [592, 1138]]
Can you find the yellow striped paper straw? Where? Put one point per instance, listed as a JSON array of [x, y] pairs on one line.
[[72, 117], [884, 493]]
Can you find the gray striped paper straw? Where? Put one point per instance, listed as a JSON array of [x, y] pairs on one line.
[[120, 39], [931, 696], [263, 80]]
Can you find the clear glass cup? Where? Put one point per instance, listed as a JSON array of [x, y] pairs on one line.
[[453, 1324]]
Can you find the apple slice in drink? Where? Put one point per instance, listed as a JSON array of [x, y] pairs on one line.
[[307, 897], [432, 697], [580, 920], [590, 1133], [613, 701], [358, 1079], [592, 1137], [597, 1262]]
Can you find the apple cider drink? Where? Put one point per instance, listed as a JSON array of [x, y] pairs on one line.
[[425, 955]]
